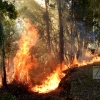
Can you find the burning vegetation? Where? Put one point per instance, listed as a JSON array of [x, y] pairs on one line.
[[51, 59], [24, 62]]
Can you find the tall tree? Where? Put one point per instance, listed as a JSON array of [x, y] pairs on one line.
[[6, 9], [61, 35], [86, 11], [47, 23], [3, 56]]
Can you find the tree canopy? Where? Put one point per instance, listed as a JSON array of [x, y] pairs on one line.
[[86, 11], [7, 9]]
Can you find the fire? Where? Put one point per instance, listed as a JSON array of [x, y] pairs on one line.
[[24, 61], [51, 83]]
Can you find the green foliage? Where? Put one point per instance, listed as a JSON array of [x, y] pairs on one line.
[[7, 9], [9, 96], [10, 36], [86, 10]]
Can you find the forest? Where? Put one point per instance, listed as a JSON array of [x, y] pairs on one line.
[[49, 50]]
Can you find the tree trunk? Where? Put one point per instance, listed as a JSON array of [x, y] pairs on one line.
[[72, 39], [61, 43], [4, 83], [3, 65], [47, 23]]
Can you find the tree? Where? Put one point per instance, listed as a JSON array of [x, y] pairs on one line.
[[87, 11], [61, 41], [47, 23], [6, 9]]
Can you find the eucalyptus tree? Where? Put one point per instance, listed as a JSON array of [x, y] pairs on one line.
[[7, 10]]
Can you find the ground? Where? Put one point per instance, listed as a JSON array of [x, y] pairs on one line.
[[83, 86], [78, 84]]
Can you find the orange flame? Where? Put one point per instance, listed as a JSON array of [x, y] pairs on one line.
[[51, 83], [25, 61]]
